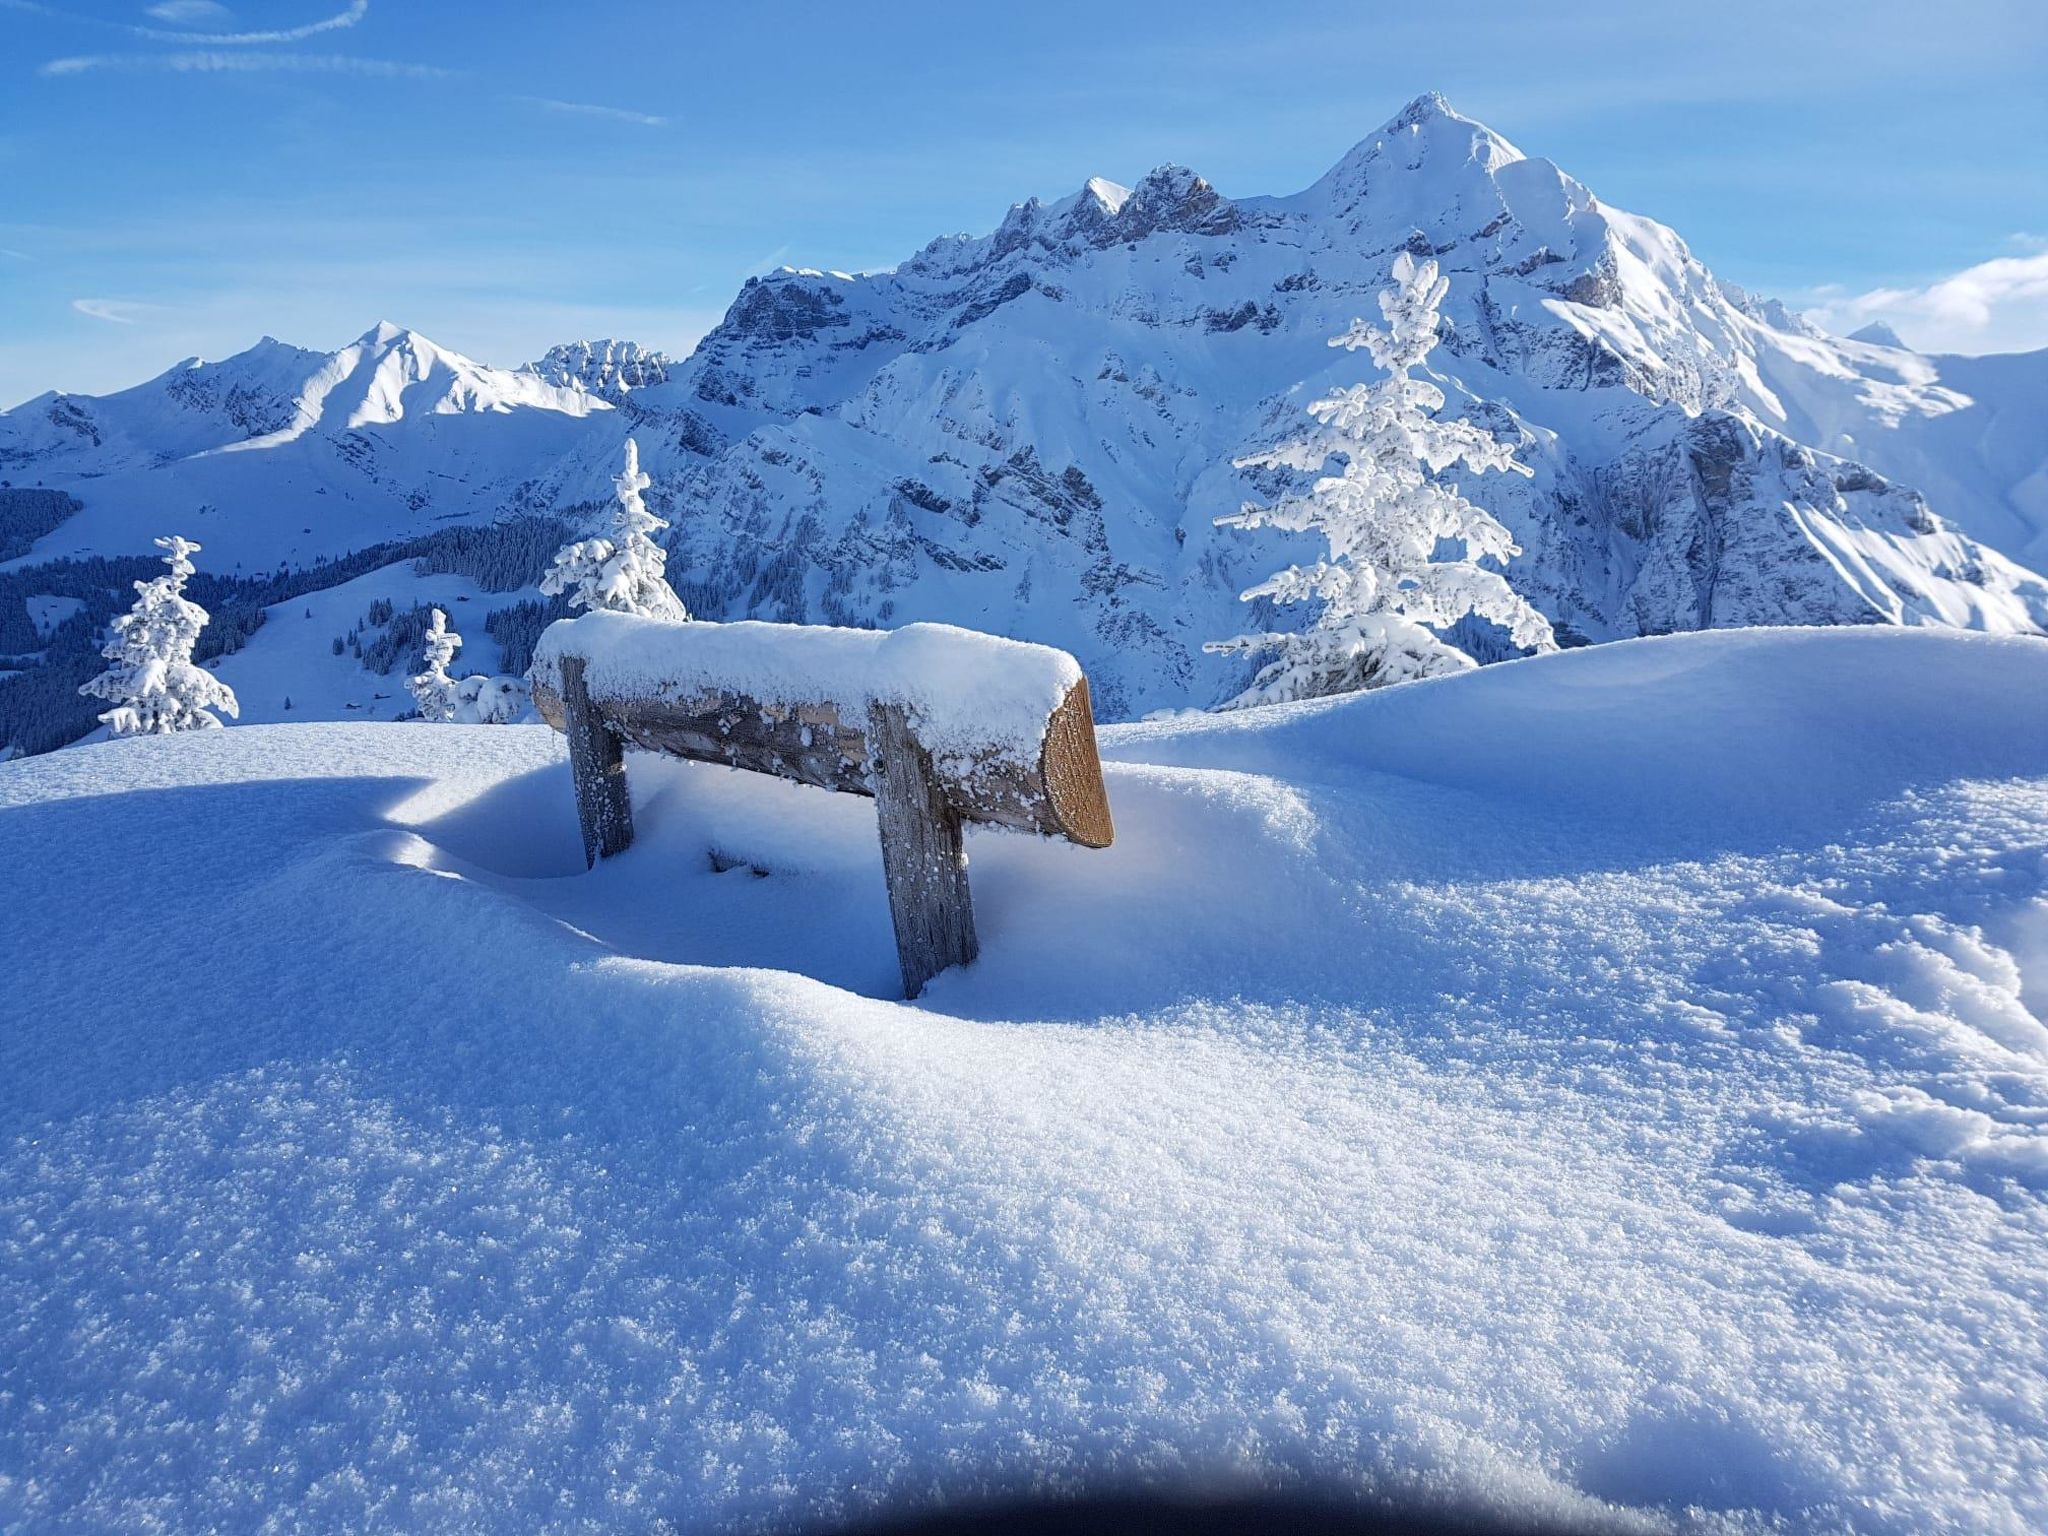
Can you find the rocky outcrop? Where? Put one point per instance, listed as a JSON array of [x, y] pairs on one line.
[[609, 369]]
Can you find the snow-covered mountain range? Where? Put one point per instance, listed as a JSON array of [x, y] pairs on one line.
[[1032, 431]]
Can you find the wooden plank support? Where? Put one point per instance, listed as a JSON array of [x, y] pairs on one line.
[[597, 758], [924, 855]]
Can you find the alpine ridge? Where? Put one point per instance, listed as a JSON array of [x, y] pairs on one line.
[[1032, 431]]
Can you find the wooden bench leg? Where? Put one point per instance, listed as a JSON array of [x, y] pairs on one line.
[[597, 758], [924, 856]]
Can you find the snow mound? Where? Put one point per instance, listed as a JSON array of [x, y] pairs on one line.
[[1610, 1085]]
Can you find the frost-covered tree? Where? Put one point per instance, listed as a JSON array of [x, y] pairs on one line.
[[433, 690], [625, 572], [475, 700], [154, 684], [484, 700], [1384, 517]]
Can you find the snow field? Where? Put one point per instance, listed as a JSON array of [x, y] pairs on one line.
[[1609, 1085]]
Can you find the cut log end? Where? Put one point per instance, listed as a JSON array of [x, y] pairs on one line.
[[1072, 772]]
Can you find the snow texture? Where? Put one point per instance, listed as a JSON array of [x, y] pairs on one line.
[[967, 693], [1609, 1084]]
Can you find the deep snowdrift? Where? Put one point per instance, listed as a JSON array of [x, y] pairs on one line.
[[1614, 1077]]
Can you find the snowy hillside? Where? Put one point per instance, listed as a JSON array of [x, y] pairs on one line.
[[1032, 431], [284, 455], [1641, 1107]]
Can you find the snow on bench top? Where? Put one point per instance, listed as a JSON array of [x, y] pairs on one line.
[[967, 693]]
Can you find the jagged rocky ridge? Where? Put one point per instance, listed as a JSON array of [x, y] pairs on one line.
[[1032, 431], [609, 369]]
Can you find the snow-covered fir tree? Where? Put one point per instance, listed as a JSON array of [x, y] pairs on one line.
[[154, 684], [433, 690], [481, 699], [1385, 593], [475, 700], [624, 573]]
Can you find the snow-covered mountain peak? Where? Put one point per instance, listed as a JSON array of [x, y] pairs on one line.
[[1878, 334], [1109, 195], [1033, 430], [1427, 136], [1172, 197], [384, 334], [608, 369]]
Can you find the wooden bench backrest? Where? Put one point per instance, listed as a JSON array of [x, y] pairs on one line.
[[943, 726]]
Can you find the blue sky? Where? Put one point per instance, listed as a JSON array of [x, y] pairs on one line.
[[501, 176]]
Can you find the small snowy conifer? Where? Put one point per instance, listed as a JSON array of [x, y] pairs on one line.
[[475, 700], [624, 573], [433, 689], [154, 684], [1383, 589]]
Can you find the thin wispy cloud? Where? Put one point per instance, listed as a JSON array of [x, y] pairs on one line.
[[341, 20], [349, 16], [592, 109], [217, 62], [1999, 305], [189, 13], [117, 311]]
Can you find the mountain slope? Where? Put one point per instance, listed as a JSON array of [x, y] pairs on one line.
[[1057, 405], [1032, 431], [281, 455]]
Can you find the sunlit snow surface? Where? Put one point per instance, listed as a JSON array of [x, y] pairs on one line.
[[1615, 1079]]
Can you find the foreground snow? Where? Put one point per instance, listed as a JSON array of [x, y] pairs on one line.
[[1611, 1079]]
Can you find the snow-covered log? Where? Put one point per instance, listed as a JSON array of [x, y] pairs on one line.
[[944, 726]]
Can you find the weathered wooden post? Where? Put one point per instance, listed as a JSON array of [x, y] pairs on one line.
[[597, 759], [924, 854]]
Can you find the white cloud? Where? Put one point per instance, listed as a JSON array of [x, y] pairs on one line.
[[2000, 305], [190, 13], [119, 311], [588, 109], [348, 16], [244, 63]]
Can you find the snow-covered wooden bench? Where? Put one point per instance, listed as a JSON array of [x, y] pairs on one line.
[[941, 726]]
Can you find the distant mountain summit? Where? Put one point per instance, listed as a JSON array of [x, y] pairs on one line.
[[1878, 334], [608, 369], [1033, 430]]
